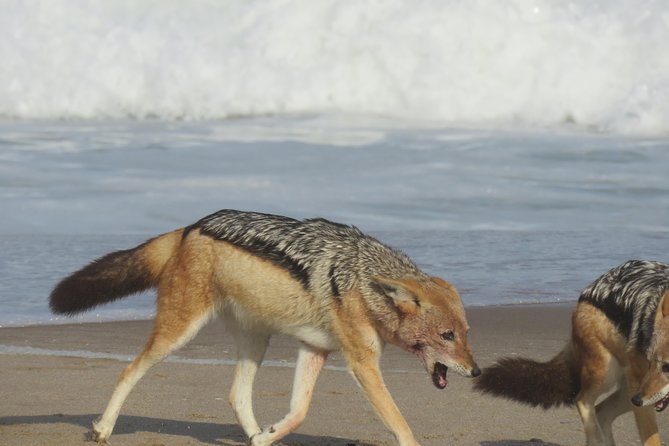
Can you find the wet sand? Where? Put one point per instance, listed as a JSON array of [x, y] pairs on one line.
[[57, 379]]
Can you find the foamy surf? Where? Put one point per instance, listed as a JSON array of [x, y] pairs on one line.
[[540, 62]]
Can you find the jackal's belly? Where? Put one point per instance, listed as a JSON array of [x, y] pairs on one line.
[[292, 324], [314, 337]]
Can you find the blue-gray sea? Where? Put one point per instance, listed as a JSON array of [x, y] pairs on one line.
[[509, 215]]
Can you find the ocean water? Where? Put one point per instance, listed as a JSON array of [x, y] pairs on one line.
[[518, 149], [509, 216]]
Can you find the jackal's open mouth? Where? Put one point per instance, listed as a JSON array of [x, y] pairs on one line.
[[662, 404], [439, 375]]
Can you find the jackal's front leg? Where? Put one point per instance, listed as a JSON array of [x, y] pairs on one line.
[[362, 346], [362, 352], [368, 375]]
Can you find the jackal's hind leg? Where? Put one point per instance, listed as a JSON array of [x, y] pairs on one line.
[[599, 370], [251, 349], [168, 335], [309, 365], [611, 408], [585, 404]]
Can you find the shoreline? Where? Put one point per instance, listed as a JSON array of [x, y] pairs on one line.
[[89, 339], [64, 320], [52, 399]]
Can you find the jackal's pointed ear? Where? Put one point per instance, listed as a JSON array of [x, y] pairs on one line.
[[662, 308], [444, 284], [399, 292], [664, 304]]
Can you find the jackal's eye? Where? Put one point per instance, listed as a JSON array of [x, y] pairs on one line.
[[448, 335], [665, 367]]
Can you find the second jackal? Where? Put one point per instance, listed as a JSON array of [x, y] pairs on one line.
[[619, 352]]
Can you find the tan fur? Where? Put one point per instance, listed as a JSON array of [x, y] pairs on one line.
[[161, 250], [606, 365], [199, 277], [654, 379]]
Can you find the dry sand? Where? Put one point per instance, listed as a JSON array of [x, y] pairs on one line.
[[52, 399]]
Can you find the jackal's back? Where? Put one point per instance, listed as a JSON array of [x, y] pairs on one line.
[[628, 295], [327, 258]]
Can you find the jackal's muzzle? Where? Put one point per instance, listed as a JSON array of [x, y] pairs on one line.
[[440, 374], [660, 402]]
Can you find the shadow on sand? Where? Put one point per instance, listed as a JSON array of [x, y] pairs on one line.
[[211, 433], [532, 442]]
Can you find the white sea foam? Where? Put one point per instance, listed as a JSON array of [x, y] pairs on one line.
[[599, 64]]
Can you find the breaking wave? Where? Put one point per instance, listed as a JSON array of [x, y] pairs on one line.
[[601, 65]]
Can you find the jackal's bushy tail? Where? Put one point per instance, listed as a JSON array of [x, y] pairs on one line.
[[114, 276], [546, 384]]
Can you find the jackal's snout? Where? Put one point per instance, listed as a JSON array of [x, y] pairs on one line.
[[450, 352], [658, 400], [654, 391], [468, 369], [440, 371]]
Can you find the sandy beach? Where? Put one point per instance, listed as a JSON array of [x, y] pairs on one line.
[[57, 379]]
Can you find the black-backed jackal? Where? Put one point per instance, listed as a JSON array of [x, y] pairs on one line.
[[619, 347], [328, 285]]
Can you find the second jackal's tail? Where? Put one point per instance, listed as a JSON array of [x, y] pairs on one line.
[[114, 276], [546, 384]]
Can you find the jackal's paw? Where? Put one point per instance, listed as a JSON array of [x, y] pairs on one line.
[[263, 438], [100, 433], [99, 438]]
